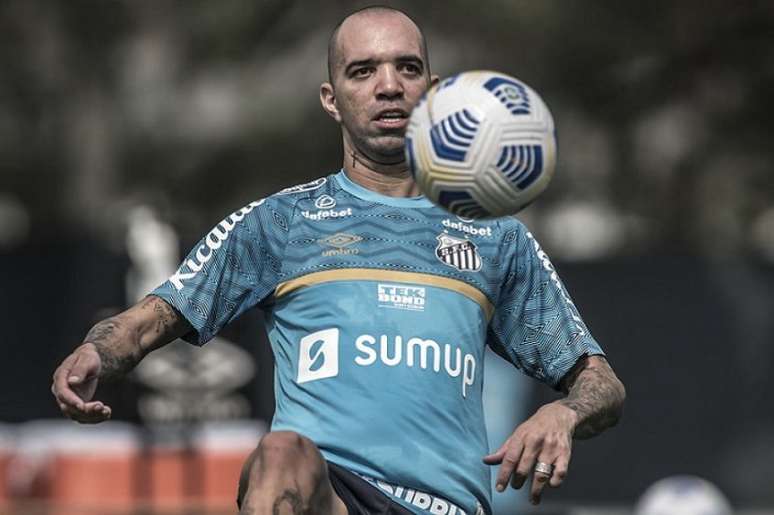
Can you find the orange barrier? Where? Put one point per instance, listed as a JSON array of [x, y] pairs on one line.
[[69, 465], [103, 479]]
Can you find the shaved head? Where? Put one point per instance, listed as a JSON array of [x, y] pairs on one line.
[[377, 62], [334, 56]]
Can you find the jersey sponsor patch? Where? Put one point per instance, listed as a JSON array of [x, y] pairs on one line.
[[327, 214], [318, 356], [401, 296], [309, 186], [325, 211], [210, 244], [458, 253], [325, 202], [467, 227]]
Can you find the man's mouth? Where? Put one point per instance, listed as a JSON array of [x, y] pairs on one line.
[[392, 118]]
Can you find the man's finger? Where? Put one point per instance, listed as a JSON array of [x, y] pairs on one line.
[[93, 413], [496, 457], [560, 469], [526, 463], [71, 412], [96, 407], [94, 418], [61, 387], [84, 366], [510, 460], [540, 479]]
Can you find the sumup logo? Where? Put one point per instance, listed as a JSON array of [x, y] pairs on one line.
[[319, 356]]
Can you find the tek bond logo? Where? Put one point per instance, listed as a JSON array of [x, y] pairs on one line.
[[400, 296], [319, 356]]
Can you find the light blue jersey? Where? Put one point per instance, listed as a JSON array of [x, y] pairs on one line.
[[378, 310]]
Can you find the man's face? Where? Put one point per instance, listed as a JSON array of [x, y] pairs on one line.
[[378, 77]]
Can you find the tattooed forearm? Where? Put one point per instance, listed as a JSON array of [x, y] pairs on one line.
[[118, 348], [166, 318], [595, 394], [123, 340]]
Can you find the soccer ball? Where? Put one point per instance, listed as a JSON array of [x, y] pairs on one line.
[[481, 144], [683, 495]]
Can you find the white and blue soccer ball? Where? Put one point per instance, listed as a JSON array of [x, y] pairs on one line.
[[481, 144], [683, 495]]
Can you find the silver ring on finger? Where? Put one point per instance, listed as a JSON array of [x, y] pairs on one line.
[[544, 468]]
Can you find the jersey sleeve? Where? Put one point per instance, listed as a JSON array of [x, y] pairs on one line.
[[233, 268], [536, 325]]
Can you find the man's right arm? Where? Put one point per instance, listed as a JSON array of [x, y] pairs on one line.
[[112, 348]]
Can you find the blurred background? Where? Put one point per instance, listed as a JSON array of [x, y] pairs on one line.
[[129, 128]]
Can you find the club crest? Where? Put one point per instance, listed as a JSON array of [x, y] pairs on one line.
[[459, 253]]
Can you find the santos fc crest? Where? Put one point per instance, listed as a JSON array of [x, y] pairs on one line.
[[457, 252]]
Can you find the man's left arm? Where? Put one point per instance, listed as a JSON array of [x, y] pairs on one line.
[[595, 394], [594, 401]]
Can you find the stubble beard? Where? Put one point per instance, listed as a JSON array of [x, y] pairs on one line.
[[382, 149]]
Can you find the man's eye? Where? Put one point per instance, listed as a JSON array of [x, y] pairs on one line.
[[361, 72], [411, 68]]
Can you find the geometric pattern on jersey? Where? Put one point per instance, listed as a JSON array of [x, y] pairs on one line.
[[378, 310]]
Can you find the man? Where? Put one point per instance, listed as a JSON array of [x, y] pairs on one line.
[[378, 338]]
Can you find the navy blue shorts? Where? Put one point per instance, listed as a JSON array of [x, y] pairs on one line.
[[359, 496]]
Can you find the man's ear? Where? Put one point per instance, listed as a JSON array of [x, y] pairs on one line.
[[328, 100], [434, 79]]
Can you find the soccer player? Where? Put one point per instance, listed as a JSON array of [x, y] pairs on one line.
[[378, 308]]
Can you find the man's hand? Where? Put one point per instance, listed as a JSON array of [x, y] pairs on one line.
[[545, 437], [111, 349], [594, 402], [74, 384]]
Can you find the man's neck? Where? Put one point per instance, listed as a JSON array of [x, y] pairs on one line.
[[392, 180]]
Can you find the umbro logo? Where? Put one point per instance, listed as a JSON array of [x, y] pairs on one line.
[[340, 242]]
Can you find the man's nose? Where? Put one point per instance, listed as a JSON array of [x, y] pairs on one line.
[[389, 84]]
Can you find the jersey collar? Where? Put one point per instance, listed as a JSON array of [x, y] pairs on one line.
[[364, 193]]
